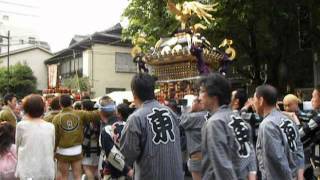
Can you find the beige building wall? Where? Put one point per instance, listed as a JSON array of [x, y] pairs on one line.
[[99, 65], [35, 60]]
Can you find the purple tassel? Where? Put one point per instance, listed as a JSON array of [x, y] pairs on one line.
[[224, 63], [198, 53]]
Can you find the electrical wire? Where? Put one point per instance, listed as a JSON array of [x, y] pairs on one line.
[[18, 4], [20, 14], [14, 44], [95, 51]]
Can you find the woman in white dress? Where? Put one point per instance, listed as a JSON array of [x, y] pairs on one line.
[[35, 141]]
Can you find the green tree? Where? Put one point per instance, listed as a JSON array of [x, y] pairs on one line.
[[264, 32], [151, 18], [22, 81], [77, 83]]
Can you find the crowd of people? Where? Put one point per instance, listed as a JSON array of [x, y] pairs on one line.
[[226, 136], [45, 144]]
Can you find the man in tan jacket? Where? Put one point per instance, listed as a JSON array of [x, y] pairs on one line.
[[54, 110], [69, 125], [7, 112]]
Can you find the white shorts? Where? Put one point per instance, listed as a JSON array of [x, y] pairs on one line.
[[93, 160]]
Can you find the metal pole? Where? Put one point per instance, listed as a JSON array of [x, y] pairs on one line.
[[8, 56], [315, 68], [299, 28]]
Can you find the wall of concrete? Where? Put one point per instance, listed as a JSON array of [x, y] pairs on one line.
[[35, 60], [99, 65]]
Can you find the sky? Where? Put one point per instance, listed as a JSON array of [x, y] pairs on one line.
[[57, 21]]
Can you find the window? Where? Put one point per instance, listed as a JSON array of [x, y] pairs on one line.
[[5, 17], [65, 68], [32, 40], [72, 65], [124, 63], [76, 64], [110, 90]]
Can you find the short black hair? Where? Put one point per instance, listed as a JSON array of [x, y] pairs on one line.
[[142, 86], [87, 105], [65, 100], [124, 110], [77, 105], [104, 100], [33, 105], [87, 97], [217, 85], [268, 93], [242, 96], [55, 105], [8, 97], [126, 101]]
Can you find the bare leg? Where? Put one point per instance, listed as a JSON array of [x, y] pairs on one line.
[[90, 171], [63, 170], [252, 176], [196, 175], [76, 169]]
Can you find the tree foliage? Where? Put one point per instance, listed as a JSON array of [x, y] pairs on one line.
[[265, 34], [22, 81], [151, 18]]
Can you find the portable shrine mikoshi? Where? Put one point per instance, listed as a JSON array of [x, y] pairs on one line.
[[176, 67], [179, 61]]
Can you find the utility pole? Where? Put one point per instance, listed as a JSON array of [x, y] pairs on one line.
[[315, 68], [8, 65], [8, 59]]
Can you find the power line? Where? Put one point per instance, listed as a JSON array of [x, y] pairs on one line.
[[19, 14], [14, 44], [26, 36], [18, 4]]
